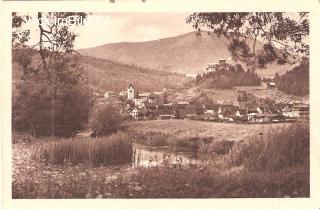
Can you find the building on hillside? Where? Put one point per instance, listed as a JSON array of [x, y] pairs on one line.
[[241, 114], [165, 111], [263, 118], [251, 114], [290, 112], [227, 111], [222, 63], [139, 102], [210, 111], [271, 85], [153, 98], [134, 113], [189, 111], [123, 93], [130, 92]]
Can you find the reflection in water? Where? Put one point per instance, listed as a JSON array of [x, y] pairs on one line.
[[149, 157]]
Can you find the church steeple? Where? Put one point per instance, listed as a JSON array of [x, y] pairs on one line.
[[130, 90]]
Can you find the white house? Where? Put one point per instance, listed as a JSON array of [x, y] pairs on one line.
[[290, 112], [134, 113], [123, 93]]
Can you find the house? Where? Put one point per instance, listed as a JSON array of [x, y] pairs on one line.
[[138, 102], [303, 110], [150, 106], [262, 109], [251, 115], [107, 94], [241, 114], [183, 103], [227, 112], [134, 113], [165, 111], [123, 93], [153, 98], [271, 85], [263, 118], [211, 111], [190, 112], [290, 112]]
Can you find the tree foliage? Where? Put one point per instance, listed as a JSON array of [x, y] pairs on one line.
[[282, 34], [227, 78], [106, 120], [52, 97], [295, 81]]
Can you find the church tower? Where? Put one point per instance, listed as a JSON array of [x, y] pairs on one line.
[[130, 92]]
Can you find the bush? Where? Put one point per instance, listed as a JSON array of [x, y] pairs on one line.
[[42, 110], [112, 150], [276, 150], [106, 120]]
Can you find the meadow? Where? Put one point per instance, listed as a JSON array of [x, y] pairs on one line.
[[254, 161]]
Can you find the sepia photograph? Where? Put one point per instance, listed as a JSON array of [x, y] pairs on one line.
[[160, 105]]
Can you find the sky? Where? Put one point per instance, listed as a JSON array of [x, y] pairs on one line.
[[103, 28]]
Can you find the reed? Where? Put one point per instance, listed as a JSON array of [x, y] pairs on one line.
[[112, 150]]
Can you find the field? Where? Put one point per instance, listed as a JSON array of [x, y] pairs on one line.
[[249, 160], [193, 128]]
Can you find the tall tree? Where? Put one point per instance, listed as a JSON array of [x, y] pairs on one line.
[[50, 91], [281, 33]]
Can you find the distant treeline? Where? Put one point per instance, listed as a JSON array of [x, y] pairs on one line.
[[227, 78], [295, 81]]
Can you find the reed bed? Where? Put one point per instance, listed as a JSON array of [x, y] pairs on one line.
[[112, 150], [276, 150]]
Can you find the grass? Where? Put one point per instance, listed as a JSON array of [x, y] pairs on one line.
[[274, 164], [111, 150], [277, 149]]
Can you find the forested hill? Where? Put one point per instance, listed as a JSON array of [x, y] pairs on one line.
[[295, 81], [109, 75], [226, 78]]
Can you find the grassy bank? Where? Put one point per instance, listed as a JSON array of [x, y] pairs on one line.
[[272, 164]]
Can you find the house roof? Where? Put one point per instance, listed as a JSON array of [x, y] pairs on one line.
[[211, 107], [165, 112], [150, 105], [252, 111], [242, 111], [153, 95]]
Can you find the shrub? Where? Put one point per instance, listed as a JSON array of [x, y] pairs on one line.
[[276, 150], [115, 149], [106, 120]]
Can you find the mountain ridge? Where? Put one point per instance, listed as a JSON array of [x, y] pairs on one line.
[[186, 53]]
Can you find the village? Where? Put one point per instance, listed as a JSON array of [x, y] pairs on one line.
[[249, 107], [246, 109]]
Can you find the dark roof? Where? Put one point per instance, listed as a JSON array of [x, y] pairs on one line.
[[228, 107], [151, 105], [165, 112], [242, 111], [211, 107], [153, 95], [252, 111]]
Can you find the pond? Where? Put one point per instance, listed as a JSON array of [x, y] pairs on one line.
[[150, 156]]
